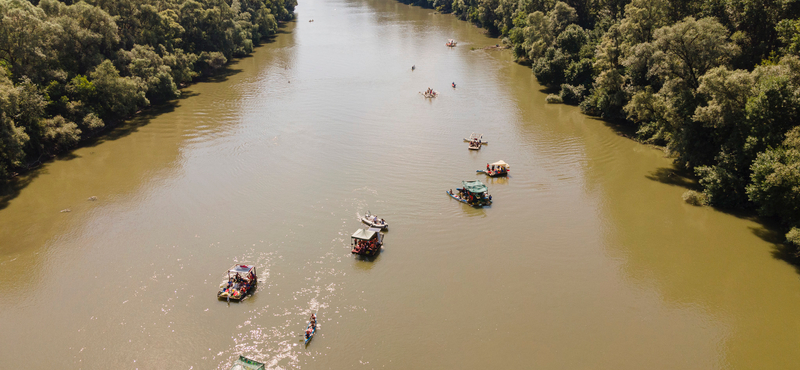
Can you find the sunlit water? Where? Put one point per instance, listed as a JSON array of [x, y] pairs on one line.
[[588, 258]]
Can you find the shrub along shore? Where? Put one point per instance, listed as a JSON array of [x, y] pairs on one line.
[[68, 69], [715, 82]]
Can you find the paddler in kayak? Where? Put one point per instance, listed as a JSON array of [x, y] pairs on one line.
[[454, 85]]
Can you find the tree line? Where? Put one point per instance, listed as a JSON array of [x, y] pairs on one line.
[[715, 82], [69, 68]]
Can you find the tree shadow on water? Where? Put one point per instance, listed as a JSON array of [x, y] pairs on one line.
[[11, 188], [676, 177], [780, 249]]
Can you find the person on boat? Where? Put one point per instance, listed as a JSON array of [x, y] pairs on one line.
[[413, 67], [308, 332], [454, 85], [375, 219], [313, 320]]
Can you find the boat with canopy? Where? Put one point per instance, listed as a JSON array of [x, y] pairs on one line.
[[240, 280], [474, 193], [244, 363], [496, 169], [367, 242]]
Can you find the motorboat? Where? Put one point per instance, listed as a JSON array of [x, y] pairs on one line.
[[374, 221]]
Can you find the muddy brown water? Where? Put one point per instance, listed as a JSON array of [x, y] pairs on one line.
[[588, 258]]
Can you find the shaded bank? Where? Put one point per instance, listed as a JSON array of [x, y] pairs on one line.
[[67, 71]]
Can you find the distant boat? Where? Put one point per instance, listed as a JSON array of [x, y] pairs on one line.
[[451, 43], [496, 169], [479, 137], [430, 95]]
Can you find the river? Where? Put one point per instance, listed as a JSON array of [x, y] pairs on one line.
[[588, 259]]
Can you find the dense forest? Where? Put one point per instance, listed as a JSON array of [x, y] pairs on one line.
[[67, 69], [715, 82]]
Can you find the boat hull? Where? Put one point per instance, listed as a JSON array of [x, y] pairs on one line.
[[487, 203], [493, 174], [310, 337], [383, 226]]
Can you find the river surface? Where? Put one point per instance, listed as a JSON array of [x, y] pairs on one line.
[[588, 259]]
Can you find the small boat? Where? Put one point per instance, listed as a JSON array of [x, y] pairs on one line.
[[313, 329], [474, 145], [478, 137], [496, 169], [453, 84], [244, 363], [429, 95], [240, 280], [374, 221], [451, 43], [413, 68], [474, 193], [367, 242]]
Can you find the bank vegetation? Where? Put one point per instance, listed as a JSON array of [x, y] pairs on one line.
[[68, 69]]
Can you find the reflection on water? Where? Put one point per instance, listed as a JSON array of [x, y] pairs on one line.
[[587, 258]]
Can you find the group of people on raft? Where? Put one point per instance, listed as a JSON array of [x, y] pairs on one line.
[[237, 285], [365, 246], [492, 169], [312, 325], [430, 92], [466, 195]]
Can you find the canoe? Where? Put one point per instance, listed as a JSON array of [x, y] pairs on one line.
[[456, 197], [314, 331], [381, 224]]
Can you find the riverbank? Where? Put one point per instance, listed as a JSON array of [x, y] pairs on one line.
[[92, 66]]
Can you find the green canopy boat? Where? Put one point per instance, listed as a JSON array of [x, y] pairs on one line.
[[474, 193], [244, 363]]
